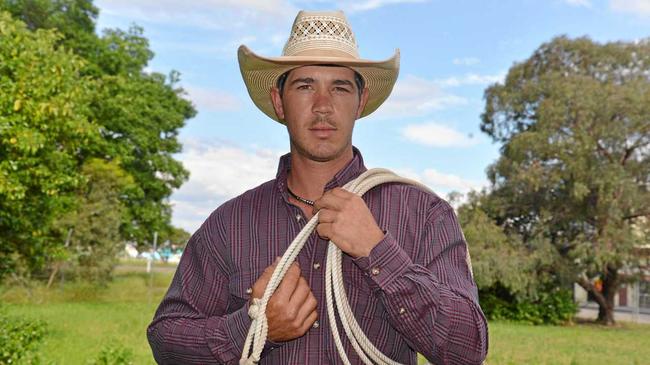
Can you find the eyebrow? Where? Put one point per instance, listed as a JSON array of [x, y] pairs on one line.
[[305, 80], [309, 80]]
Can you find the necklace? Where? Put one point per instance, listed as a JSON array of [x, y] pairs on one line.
[[303, 200]]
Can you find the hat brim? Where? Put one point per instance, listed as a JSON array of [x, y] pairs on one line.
[[260, 74]]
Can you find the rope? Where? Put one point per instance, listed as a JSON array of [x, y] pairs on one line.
[[334, 289]]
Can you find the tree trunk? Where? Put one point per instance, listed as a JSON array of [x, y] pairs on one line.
[[611, 282], [604, 298]]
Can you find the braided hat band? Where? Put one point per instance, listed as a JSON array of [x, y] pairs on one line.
[[317, 38]]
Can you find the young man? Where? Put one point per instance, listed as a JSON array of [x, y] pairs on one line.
[[405, 266]]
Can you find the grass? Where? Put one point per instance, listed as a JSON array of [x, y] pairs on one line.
[[83, 319], [513, 343]]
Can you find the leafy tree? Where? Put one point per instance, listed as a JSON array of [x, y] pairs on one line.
[[95, 223], [574, 166], [45, 120], [139, 112]]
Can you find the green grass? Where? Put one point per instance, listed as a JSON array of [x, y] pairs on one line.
[[83, 319], [512, 343]]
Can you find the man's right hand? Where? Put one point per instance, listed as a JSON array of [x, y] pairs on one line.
[[292, 309]]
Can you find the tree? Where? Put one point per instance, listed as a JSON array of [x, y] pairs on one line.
[[94, 224], [44, 123], [574, 169], [139, 112]]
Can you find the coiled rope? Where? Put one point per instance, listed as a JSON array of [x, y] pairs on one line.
[[334, 288]]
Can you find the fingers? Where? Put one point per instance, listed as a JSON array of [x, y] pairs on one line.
[[306, 306], [293, 318], [332, 199], [326, 216], [288, 284], [324, 230], [309, 322]]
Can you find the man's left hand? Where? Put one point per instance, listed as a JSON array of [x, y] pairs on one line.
[[345, 219]]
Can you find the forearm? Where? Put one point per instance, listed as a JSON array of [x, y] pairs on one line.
[[444, 326], [438, 316]]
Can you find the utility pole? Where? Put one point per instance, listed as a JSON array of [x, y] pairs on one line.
[[153, 252]]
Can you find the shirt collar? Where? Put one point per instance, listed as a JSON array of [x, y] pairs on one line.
[[350, 171]]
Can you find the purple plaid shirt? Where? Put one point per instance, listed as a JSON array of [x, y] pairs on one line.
[[413, 293]]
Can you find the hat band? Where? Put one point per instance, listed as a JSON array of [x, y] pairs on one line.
[[320, 52]]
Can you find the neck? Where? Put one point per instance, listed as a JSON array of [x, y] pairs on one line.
[[307, 178]]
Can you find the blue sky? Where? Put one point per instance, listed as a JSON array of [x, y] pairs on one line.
[[428, 129]]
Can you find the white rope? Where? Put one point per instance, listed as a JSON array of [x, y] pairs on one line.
[[334, 288]]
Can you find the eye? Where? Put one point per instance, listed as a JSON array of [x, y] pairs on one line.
[[304, 87], [341, 89]]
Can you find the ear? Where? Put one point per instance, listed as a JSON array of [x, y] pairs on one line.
[[276, 99], [362, 102]]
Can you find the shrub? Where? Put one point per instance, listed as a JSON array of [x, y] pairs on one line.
[[553, 306], [113, 354], [19, 339]]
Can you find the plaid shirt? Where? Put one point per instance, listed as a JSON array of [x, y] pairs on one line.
[[413, 293]]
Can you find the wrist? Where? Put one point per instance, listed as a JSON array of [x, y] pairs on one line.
[[377, 237]]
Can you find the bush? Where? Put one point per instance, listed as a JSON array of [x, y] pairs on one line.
[[554, 306], [19, 339], [113, 354]]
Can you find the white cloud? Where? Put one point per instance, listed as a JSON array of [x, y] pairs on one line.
[[471, 79], [208, 14], [358, 6], [466, 61], [416, 96], [442, 183], [218, 171], [584, 3], [436, 135], [211, 99], [634, 7]]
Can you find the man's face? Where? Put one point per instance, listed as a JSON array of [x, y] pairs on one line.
[[319, 105]]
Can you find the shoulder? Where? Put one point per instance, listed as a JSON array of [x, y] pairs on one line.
[[413, 198]]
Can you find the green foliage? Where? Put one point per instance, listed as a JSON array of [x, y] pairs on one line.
[[68, 96], [19, 339], [95, 222], [574, 165], [44, 124], [113, 354], [552, 306]]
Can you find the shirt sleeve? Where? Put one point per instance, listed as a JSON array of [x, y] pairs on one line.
[[432, 303], [194, 324]]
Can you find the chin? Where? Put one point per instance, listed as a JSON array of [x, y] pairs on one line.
[[325, 153]]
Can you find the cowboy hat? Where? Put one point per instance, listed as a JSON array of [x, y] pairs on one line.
[[316, 38]]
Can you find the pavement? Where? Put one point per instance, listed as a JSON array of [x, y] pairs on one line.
[[624, 314]]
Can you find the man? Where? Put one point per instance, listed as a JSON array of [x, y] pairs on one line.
[[405, 268]]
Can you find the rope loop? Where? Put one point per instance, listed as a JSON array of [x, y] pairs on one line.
[[254, 309], [336, 297]]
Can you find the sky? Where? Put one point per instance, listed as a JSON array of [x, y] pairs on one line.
[[428, 129]]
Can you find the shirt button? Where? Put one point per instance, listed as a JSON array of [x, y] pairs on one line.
[[298, 217], [402, 310], [317, 266], [315, 325], [375, 271], [249, 291]]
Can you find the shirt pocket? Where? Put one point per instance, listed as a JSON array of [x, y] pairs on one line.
[[240, 287]]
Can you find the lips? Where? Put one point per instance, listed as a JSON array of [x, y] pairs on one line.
[[322, 131]]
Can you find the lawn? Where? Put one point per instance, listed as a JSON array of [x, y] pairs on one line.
[[82, 320]]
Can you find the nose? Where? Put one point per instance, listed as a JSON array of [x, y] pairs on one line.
[[322, 103]]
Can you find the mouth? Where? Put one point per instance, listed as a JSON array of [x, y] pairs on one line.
[[322, 131]]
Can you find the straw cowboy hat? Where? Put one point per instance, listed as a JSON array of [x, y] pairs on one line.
[[317, 38]]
